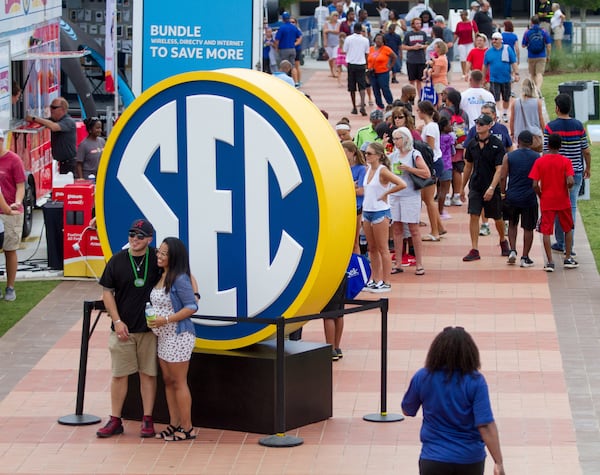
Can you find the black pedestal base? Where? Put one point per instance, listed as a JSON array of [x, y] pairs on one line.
[[79, 420], [235, 390]]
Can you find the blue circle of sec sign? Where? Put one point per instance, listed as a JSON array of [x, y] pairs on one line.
[[247, 172]]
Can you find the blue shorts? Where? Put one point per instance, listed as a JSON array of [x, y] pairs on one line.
[[376, 217]]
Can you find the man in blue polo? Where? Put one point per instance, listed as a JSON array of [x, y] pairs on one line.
[[287, 38], [501, 60]]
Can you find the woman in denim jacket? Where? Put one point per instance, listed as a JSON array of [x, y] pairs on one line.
[[174, 303]]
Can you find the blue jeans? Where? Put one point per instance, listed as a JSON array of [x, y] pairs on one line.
[[380, 82], [573, 194]]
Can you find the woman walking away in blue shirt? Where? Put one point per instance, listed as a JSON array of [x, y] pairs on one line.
[[457, 417]]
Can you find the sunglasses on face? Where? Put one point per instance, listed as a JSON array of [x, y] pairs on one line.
[[399, 117], [133, 234]]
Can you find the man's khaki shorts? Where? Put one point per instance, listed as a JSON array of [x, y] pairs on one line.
[[136, 354], [536, 66], [13, 230]]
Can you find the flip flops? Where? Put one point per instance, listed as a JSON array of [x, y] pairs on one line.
[[430, 237]]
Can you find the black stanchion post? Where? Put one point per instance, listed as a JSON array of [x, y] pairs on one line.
[[79, 418], [280, 439], [383, 415]]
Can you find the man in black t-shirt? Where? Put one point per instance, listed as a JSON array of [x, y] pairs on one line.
[[484, 21], [483, 165], [127, 282]]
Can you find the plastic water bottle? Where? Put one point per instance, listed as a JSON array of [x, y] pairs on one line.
[[150, 313]]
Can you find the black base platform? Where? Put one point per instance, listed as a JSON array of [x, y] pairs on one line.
[[235, 390]]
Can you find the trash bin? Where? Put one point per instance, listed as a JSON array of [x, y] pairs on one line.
[[579, 95], [53, 221], [593, 88]]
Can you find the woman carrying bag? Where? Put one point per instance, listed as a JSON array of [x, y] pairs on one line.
[[526, 113]]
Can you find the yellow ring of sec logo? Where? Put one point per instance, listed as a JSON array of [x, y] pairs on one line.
[[288, 147]]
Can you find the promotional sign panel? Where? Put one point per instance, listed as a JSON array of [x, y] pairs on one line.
[[260, 192], [187, 36]]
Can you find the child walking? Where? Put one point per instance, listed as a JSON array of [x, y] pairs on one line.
[[552, 176], [447, 147]]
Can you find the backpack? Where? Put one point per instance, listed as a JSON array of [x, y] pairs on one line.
[[460, 129], [535, 41], [426, 152]]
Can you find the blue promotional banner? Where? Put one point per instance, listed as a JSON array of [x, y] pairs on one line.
[[190, 37]]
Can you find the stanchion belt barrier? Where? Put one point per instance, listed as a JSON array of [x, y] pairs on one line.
[[280, 439]]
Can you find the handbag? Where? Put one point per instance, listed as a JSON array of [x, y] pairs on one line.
[[428, 93], [419, 182], [538, 141]]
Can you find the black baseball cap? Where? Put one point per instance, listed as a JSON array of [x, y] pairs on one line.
[[143, 227], [483, 120]]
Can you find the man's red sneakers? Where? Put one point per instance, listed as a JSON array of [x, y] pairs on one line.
[[147, 429], [473, 255], [114, 426]]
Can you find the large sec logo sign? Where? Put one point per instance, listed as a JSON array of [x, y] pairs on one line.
[[250, 175]]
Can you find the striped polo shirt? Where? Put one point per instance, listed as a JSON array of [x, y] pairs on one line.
[[574, 140]]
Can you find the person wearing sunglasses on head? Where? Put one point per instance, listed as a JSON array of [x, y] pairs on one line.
[[63, 138], [127, 281]]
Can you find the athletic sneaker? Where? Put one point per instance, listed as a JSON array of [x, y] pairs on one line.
[[339, 352], [456, 200], [526, 262], [114, 426], [473, 255], [369, 287], [147, 429], [512, 257], [334, 355], [505, 248], [557, 247], [448, 200], [10, 294], [549, 267], [573, 253], [570, 263], [484, 230], [381, 287]]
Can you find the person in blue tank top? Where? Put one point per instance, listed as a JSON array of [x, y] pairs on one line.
[[458, 423], [519, 199]]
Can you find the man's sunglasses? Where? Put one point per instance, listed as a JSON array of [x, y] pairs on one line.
[[137, 235]]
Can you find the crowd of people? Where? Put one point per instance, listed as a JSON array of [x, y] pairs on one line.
[[456, 147]]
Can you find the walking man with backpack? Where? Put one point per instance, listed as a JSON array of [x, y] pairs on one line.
[[539, 45]]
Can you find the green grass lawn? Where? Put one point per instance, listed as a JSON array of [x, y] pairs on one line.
[[29, 294], [589, 209]]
